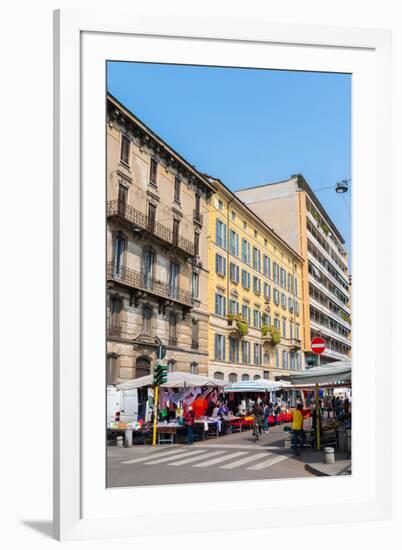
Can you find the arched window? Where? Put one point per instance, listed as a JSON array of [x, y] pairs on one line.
[[112, 369], [142, 366], [218, 375], [257, 377], [245, 377], [232, 377]]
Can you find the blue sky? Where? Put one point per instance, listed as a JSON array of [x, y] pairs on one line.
[[248, 126]]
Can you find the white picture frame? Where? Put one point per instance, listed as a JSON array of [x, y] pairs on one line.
[[83, 507]]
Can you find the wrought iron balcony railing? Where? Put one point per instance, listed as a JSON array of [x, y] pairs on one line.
[[142, 281], [197, 216], [122, 210]]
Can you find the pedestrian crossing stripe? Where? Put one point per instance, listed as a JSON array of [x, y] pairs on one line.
[[193, 459], [150, 457], [244, 460], [268, 463], [219, 459], [177, 455]]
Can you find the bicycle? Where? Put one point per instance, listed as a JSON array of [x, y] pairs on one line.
[[257, 429]]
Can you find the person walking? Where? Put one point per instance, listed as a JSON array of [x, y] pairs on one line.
[[190, 419], [258, 416], [298, 429]]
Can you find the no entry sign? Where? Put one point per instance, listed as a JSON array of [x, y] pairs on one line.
[[317, 345]]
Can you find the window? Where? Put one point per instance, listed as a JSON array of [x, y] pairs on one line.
[[220, 205], [220, 237], [172, 329], [151, 217], [297, 308], [196, 243], [255, 233], [177, 189], [220, 305], [257, 354], [266, 374], [245, 351], [194, 367], [234, 350], [244, 225], [285, 360], [195, 284], [267, 359], [245, 251], [118, 263], [292, 360], [234, 272], [233, 215], [282, 277], [283, 300], [197, 205], [122, 196], [265, 242], [233, 243], [218, 375], [297, 331], [245, 377], [174, 279], [267, 266], [256, 259], [220, 265], [233, 307], [257, 377], [220, 348], [290, 304], [125, 150], [153, 172], [114, 320], [149, 258], [257, 318], [284, 328], [112, 369], [290, 283], [290, 330], [267, 290], [277, 324], [232, 377], [147, 319], [245, 313], [194, 334], [295, 287], [256, 285], [275, 272], [245, 278], [277, 359], [176, 232], [276, 296]]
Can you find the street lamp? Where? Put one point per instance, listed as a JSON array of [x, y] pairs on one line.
[[342, 186]]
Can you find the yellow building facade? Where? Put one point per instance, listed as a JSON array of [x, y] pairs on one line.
[[256, 325]]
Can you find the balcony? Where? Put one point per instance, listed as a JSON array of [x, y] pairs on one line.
[[293, 343], [323, 330], [123, 211], [142, 281], [330, 313]]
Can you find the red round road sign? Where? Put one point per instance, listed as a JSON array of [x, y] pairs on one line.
[[317, 345]]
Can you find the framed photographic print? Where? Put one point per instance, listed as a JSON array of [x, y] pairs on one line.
[[214, 349]]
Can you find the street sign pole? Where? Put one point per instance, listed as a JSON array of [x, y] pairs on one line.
[[317, 347], [317, 418]]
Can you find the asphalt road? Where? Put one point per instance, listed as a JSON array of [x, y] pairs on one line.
[[234, 457]]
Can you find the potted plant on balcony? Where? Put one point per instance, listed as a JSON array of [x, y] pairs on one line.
[[242, 326], [275, 335], [264, 330], [230, 318]]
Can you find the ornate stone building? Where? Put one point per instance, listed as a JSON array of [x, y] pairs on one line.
[[157, 252]]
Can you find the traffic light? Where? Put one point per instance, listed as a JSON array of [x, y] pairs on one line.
[[160, 374]]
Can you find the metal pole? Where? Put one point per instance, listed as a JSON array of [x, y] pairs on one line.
[[317, 418], [156, 399]]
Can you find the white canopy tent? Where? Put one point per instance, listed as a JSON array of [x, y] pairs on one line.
[[339, 372], [254, 386], [174, 380]]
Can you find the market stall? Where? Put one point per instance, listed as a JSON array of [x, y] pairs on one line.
[[176, 395], [327, 431]]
